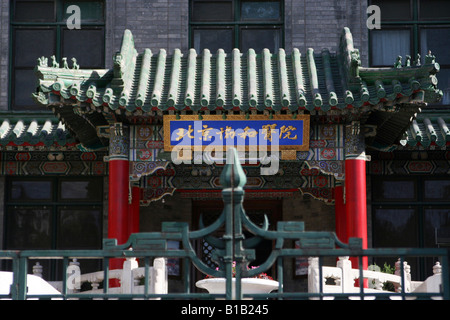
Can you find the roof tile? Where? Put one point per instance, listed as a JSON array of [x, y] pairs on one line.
[[427, 129], [265, 81], [34, 133]]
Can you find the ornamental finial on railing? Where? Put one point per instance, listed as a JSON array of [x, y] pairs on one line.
[[233, 175]]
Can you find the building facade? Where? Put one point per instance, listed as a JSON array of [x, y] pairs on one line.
[[57, 163]]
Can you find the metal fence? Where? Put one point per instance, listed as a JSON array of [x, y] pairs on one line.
[[20, 260], [232, 253]]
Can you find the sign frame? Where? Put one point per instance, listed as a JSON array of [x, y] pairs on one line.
[[168, 119]]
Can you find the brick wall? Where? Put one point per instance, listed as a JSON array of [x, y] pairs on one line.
[[165, 24], [155, 24], [318, 24]]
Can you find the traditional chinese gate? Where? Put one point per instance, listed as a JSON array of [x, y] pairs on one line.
[[126, 108], [232, 248], [122, 109]]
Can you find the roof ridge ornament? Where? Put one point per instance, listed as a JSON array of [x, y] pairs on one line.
[[124, 63], [350, 58], [55, 64]]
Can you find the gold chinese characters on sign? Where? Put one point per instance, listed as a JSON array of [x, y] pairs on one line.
[[236, 131]]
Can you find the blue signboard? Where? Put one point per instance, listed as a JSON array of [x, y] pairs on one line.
[[259, 131]]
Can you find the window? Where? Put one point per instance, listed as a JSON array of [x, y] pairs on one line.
[[242, 24], [411, 212], [54, 213], [39, 28], [409, 27]]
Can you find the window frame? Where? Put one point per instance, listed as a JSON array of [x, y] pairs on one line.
[[419, 2], [416, 23], [52, 267], [411, 7], [434, 26], [395, 200], [8, 191], [419, 205], [69, 179], [55, 203], [269, 27], [58, 25], [391, 28], [211, 27], [237, 23], [417, 216]]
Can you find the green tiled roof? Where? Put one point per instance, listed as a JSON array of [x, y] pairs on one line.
[[315, 82], [240, 81], [430, 128], [32, 132]]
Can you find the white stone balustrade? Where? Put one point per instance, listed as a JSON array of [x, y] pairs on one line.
[[130, 277], [344, 276]]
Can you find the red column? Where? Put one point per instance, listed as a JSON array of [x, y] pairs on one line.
[[134, 210], [340, 215], [356, 206], [118, 227], [355, 189], [118, 209], [355, 199], [118, 206]]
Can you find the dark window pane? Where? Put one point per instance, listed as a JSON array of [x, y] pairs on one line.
[[260, 39], [213, 39], [212, 11], [81, 190], [437, 190], [30, 190], [260, 10], [437, 227], [436, 232], [395, 227], [394, 9], [387, 45], [24, 85], [86, 45], [28, 228], [30, 44], [91, 11], [34, 11], [394, 190], [79, 228], [434, 9], [436, 40]]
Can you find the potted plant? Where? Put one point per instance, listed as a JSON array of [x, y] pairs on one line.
[[387, 286], [261, 283]]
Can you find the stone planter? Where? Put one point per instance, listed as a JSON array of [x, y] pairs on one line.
[[248, 285]]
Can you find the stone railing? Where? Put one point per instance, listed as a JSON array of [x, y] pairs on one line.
[[129, 278], [341, 279]]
